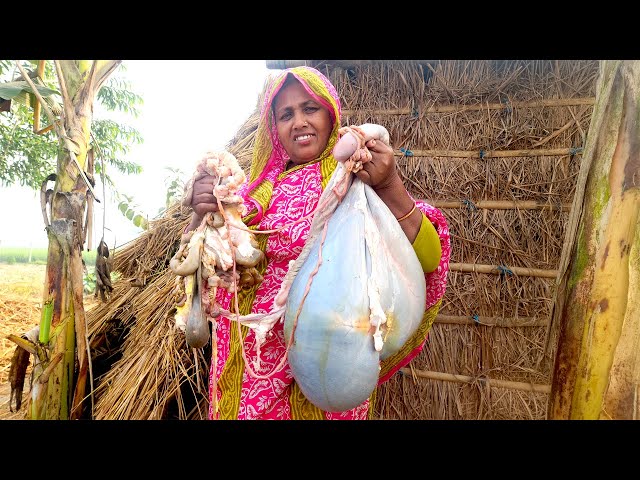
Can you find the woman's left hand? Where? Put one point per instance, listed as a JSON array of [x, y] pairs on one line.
[[379, 172]]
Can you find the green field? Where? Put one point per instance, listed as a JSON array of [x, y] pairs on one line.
[[37, 256]]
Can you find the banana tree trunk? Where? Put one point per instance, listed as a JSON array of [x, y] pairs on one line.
[[61, 379], [597, 367]]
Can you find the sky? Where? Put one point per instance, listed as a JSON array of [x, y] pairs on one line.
[[190, 107]]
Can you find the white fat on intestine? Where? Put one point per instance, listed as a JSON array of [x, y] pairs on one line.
[[377, 317]]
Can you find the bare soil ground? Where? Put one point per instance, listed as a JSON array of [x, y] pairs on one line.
[[20, 306]]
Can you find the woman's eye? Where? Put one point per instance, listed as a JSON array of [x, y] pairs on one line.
[[311, 109]]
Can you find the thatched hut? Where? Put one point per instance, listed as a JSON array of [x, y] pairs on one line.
[[496, 145]]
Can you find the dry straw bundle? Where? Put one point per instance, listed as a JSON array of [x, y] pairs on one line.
[[142, 365], [496, 145]]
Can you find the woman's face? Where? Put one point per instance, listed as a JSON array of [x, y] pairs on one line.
[[303, 124]]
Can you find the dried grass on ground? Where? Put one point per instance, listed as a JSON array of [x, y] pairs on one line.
[[20, 302]]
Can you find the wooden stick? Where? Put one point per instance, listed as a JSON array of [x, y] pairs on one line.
[[550, 102], [489, 153], [560, 130], [492, 321], [44, 130], [449, 377], [502, 269], [500, 204]]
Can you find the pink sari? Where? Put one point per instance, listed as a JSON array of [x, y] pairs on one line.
[[294, 196]]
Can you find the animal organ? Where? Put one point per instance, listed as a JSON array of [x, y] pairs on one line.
[[215, 252], [340, 335]]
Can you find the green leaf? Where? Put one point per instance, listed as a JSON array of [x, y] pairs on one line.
[[123, 207], [7, 91], [11, 89], [140, 221]]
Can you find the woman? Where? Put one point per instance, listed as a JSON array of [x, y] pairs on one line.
[[292, 164]]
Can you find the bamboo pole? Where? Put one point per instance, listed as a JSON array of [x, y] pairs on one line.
[[492, 321], [500, 204], [543, 152], [502, 270], [282, 64], [449, 377], [550, 102]]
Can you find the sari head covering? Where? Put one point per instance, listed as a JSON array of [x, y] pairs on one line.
[[269, 156]]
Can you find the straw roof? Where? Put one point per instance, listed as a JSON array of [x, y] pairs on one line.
[[496, 145]]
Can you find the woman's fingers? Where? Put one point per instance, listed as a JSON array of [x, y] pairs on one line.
[[202, 208], [203, 200], [381, 167], [204, 185], [364, 176]]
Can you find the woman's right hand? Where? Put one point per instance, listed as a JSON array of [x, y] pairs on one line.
[[202, 199]]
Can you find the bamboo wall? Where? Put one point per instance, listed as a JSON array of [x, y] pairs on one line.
[[497, 146]]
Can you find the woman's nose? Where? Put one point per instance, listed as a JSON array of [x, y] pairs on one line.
[[300, 121]]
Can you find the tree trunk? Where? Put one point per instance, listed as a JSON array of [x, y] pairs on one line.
[[62, 384], [597, 367]]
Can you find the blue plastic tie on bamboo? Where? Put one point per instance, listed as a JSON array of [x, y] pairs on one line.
[[504, 270], [557, 204], [469, 204], [415, 113], [476, 318], [406, 152], [507, 106], [482, 153], [575, 150]]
